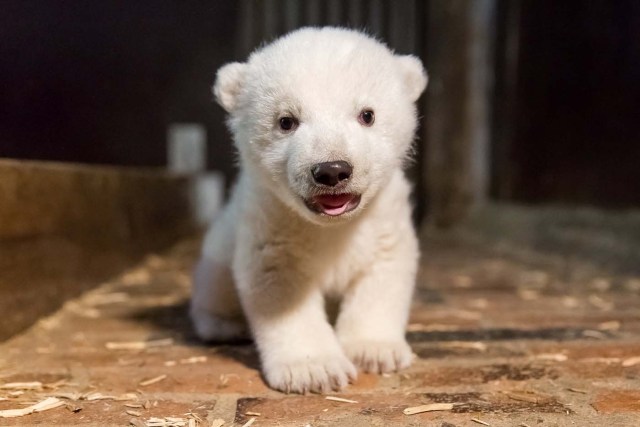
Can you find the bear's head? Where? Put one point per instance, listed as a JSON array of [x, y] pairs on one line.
[[322, 118]]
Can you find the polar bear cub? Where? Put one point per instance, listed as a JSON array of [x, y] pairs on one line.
[[323, 120]]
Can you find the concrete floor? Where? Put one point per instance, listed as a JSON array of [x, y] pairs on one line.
[[507, 342]]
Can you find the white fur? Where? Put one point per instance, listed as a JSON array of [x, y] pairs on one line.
[[268, 258]]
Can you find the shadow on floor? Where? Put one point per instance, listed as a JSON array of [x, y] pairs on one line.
[[173, 320], [503, 334]]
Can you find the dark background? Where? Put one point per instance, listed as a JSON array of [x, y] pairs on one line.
[[99, 82], [576, 115]]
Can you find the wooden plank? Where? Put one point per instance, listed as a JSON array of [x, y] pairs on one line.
[[457, 133]]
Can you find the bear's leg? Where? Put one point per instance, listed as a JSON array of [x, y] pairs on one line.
[[215, 309], [374, 313], [298, 347]]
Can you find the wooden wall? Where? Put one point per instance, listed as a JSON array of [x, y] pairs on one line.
[[99, 82], [568, 103]]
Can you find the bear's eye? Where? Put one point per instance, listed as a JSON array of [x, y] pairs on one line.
[[366, 117], [288, 124]]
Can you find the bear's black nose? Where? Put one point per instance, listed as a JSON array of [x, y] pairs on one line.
[[331, 173]]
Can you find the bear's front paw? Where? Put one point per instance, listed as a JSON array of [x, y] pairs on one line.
[[316, 374], [379, 356]]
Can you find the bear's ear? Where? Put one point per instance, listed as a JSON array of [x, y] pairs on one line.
[[229, 82], [415, 76]]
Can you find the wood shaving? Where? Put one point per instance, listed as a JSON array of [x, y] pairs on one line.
[[195, 359], [166, 422], [139, 345], [137, 423], [33, 385], [97, 396], [224, 379], [82, 311], [526, 396], [431, 407], [97, 299], [594, 334], [126, 396], [632, 361], [195, 417], [555, 357], [133, 405], [45, 405], [611, 325], [136, 277], [218, 422], [340, 399], [153, 380], [577, 390], [607, 360], [248, 423], [192, 422], [133, 413], [480, 346], [254, 414], [475, 420], [100, 396], [187, 361]]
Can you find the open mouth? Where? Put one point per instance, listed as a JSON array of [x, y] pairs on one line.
[[334, 204]]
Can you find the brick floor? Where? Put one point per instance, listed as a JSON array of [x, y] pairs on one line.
[[508, 343]]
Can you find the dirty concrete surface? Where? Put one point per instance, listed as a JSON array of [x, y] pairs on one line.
[[506, 341]]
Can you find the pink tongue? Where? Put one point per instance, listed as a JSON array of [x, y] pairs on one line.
[[334, 204]]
